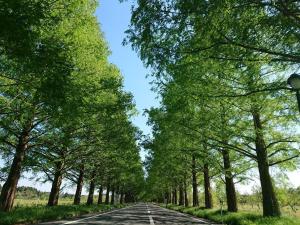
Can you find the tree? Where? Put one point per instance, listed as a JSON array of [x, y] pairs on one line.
[[196, 47], [58, 76]]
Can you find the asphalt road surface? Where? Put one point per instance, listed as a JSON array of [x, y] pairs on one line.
[[139, 214]]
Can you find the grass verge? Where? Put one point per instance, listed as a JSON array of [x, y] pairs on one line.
[[238, 218], [35, 214]]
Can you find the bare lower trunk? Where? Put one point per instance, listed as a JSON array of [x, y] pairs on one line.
[[229, 183], [107, 194], [194, 182], [270, 203], [167, 198], [122, 197], [181, 195], [100, 195], [175, 196], [55, 189], [186, 200], [112, 200], [207, 188], [230, 188], [90, 199], [117, 194], [78, 192], [9, 188]]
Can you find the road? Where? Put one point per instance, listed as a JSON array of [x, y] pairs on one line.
[[139, 214]]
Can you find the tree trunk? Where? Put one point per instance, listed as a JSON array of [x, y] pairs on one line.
[[121, 197], [107, 194], [229, 183], [9, 188], [175, 196], [181, 195], [186, 200], [112, 200], [230, 188], [167, 198], [207, 188], [78, 192], [100, 195], [270, 203], [55, 189], [90, 199], [194, 182]]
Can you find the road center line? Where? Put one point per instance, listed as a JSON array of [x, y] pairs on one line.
[[150, 217], [151, 220]]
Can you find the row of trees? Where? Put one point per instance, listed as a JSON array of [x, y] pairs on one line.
[[220, 68], [63, 109]]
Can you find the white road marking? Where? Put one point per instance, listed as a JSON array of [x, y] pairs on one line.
[[199, 220], [151, 220], [76, 221], [182, 214], [150, 217]]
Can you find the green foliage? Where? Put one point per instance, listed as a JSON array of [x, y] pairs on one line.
[[220, 68], [63, 106]]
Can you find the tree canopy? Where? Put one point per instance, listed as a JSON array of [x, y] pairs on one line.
[[64, 112], [220, 68]]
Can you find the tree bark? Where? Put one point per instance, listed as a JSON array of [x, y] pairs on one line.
[[175, 196], [207, 188], [107, 194], [79, 186], [100, 195], [194, 182], [122, 197], [9, 188], [229, 183], [55, 189], [167, 198], [186, 200], [90, 199], [181, 195], [270, 202], [112, 200], [230, 187]]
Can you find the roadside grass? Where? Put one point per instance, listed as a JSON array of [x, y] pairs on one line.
[[239, 218], [286, 211], [42, 202], [35, 214]]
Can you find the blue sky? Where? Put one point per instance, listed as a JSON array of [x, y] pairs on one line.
[[114, 18]]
